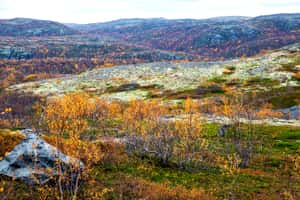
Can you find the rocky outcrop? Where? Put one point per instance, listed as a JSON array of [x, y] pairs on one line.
[[292, 113], [34, 160]]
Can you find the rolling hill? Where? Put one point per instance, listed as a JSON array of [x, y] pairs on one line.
[[211, 39], [31, 27]]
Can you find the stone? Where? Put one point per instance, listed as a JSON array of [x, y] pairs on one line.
[[223, 130], [34, 160], [292, 113]]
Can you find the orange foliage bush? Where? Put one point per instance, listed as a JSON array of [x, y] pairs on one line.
[[267, 112], [142, 117], [297, 75], [69, 114], [8, 140], [141, 189], [66, 119], [113, 154], [86, 151]]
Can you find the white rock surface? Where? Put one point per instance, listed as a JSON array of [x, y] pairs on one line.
[[33, 160]]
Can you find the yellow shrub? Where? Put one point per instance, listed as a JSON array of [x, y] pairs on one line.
[[30, 77], [8, 140]]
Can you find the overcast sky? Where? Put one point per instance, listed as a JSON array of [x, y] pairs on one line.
[[87, 11]]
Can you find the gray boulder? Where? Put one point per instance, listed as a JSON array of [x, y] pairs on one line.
[[223, 130], [34, 160], [291, 113]]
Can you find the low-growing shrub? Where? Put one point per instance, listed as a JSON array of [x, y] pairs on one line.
[[141, 189], [8, 140]]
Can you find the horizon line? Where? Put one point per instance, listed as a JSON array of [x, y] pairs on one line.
[[149, 18]]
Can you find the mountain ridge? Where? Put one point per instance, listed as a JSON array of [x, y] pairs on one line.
[[33, 27], [212, 39]]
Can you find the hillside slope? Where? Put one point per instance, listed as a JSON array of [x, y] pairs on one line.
[[211, 38], [179, 80], [32, 27], [79, 46]]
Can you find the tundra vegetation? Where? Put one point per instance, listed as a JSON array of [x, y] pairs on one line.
[[139, 127], [193, 138], [149, 149]]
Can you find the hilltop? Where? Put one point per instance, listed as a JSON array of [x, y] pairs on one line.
[[208, 39], [23, 27]]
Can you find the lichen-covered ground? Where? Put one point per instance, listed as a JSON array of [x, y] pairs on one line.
[[273, 70]]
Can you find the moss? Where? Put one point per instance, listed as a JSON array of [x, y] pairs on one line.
[[261, 81], [293, 134], [197, 93], [283, 97], [217, 79], [285, 101], [290, 147], [231, 68], [273, 162], [291, 66]]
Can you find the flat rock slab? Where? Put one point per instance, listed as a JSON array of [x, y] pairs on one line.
[[34, 160]]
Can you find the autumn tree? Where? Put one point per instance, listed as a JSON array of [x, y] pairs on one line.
[[240, 135], [190, 130], [143, 121], [66, 118], [179, 140]]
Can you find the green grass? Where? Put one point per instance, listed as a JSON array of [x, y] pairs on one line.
[[197, 93], [290, 147], [261, 177], [289, 134], [206, 178], [283, 97], [218, 79], [244, 184], [261, 82]]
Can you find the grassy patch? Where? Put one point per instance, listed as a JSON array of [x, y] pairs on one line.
[[290, 147], [291, 134], [206, 178], [283, 97], [217, 79], [199, 92], [291, 66], [257, 81]]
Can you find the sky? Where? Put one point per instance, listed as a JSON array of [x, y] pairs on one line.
[[89, 11]]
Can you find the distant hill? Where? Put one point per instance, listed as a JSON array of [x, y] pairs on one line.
[[82, 46], [33, 27], [211, 39], [153, 22], [214, 38]]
